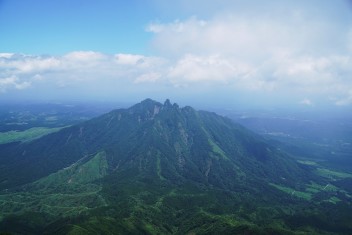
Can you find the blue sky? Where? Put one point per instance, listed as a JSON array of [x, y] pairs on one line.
[[58, 27], [255, 53]]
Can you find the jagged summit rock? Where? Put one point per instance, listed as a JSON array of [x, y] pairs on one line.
[[167, 103]]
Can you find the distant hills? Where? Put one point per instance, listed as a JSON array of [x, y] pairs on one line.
[[154, 169]]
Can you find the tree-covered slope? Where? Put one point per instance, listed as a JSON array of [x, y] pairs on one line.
[[160, 169]]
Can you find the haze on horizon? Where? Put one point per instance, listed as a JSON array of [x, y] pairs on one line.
[[252, 53]]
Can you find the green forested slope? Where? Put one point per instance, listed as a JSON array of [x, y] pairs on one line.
[[160, 169]]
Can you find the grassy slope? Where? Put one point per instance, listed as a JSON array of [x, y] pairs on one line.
[[326, 191], [27, 135], [69, 192]]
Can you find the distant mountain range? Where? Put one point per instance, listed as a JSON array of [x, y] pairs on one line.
[[153, 169]]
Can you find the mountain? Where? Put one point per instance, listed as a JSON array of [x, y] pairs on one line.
[[154, 169], [157, 139]]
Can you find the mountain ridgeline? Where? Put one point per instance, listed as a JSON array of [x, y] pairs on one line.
[[156, 141], [160, 169]]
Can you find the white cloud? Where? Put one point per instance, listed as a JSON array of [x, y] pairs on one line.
[[84, 56], [347, 100], [23, 85], [155, 28], [291, 53], [6, 55], [149, 77], [13, 82], [192, 69], [78, 70], [314, 74], [283, 73], [307, 102], [128, 59], [28, 64], [235, 35]]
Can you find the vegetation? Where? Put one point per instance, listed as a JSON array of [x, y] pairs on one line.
[[160, 169], [27, 135], [333, 174]]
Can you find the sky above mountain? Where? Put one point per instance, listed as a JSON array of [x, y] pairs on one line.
[[251, 53]]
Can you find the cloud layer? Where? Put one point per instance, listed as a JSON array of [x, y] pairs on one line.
[[294, 51], [301, 53], [301, 76]]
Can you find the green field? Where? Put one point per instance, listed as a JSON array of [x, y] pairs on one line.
[[325, 192], [27, 135], [332, 174], [293, 192]]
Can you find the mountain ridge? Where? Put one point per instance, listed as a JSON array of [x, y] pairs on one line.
[[157, 126], [157, 168]]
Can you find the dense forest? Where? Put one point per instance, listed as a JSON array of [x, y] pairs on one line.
[[160, 169]]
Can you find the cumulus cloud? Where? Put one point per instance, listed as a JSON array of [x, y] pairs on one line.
[[328, 74], [13, 82], [128, 59], [193, 69], [6, 55], [307, 102], [303, 75], [295, 51], [148, 77], [244, 37], [88, 56], [17, 63], [93, 72]]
